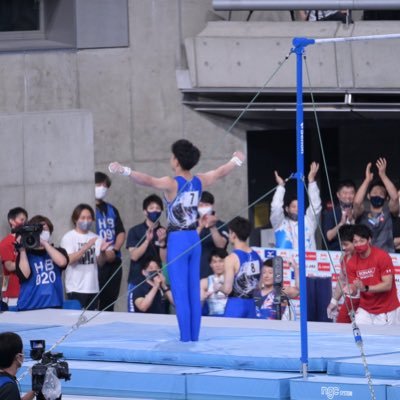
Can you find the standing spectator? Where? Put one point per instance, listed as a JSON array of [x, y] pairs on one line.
[[284, 217], [182, 194], [11, 360], [152, 295], [214, 299], [242, 272], [350, 302], [384, 204], [342, 214], [16, 217], [212, 231], [86, 251], [371, 272], [109, 227], [145, 241], [265, 294], [39, 271]]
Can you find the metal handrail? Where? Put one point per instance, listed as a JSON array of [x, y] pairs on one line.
[[267, 5]]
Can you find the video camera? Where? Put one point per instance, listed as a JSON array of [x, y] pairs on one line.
[[30, 235], [48, 359]]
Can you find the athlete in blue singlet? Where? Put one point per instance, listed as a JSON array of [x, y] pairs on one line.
[[182, 194], [242, 272]]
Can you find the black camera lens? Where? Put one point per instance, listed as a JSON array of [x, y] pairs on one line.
[[30, 240]]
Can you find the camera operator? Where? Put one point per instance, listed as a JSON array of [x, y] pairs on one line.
[[11, 359], [16, 217], [265, 296], [151, 295], [39, 271]]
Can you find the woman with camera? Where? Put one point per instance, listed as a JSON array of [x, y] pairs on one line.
[[86, 251], [39, 270]]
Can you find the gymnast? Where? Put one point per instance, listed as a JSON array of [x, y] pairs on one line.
[[181, 195]]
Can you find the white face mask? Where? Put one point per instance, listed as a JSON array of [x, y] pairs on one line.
[[100, 192], [204, 211], [45, 236]]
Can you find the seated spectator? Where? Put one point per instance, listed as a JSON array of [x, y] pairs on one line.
[[39, 271], [383, 205], [10, 288], [152, 295], [341, 215], [350, 302], [212, 231], [265, 295], [214, 299], [379, 304], [86, 251], [145, 240], [284, 217], [242, 272], [325, 15]]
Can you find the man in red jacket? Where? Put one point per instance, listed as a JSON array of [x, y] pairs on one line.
[[10, 290]]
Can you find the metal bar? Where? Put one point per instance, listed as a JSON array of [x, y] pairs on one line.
[[264, 5], [299, 50]]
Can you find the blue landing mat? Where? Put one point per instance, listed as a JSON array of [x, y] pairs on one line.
[[386, 366], [393, 392], [9, 327], [335, 387], [172, 382], [228, 348]]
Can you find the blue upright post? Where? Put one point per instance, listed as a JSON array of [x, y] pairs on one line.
[[299, 44]]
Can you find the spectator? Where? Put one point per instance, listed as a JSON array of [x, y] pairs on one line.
[[86, 251], [325, 15], [182, 195], [381, 15], [370, 271], [212, 231], [16, 217], [265, 294], [39, 271], [284, 218], [342, 214], [109, 227], [215, 300], [242, 272], [11, 360], [146, 240], [384, 204], [351, 303], [152, 295]]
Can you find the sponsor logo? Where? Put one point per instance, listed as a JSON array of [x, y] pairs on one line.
[[270, 253], [311, 255], [322, 256], [332, 391], [366, 273], [324, 266]]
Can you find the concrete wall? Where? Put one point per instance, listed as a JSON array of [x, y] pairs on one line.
[[47, 163], [48, 157], [246, 54]]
